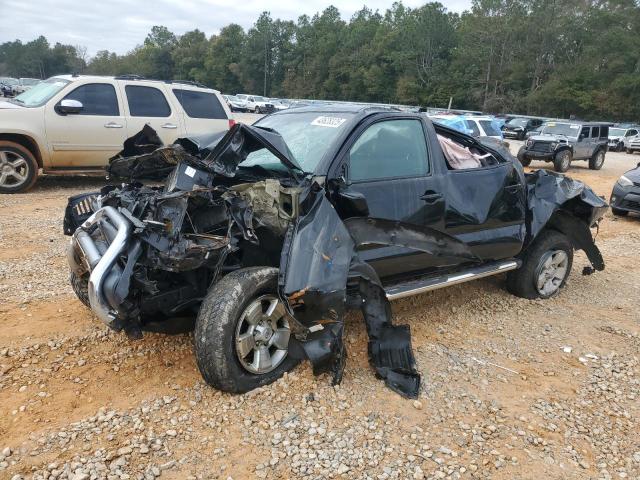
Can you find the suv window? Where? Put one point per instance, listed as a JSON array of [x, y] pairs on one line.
[[584, 132], [200, 104], [96, 99], [146, 102], [489, 128], [595, 132], [631, 133], [604, 132], [388, 149], [471, 125]]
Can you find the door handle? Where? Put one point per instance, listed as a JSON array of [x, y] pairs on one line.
[[431, 197], [112, 125], [169, 125]]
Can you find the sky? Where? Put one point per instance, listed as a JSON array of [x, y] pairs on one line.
[[120, 25]]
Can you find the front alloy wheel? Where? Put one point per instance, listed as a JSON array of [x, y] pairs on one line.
[[262, 335], [551, 272]]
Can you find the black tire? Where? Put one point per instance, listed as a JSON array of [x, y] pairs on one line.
[[620, 147], [522, 282], [520, 135], [80, 286], [215, 332], [562, 161], [629, 151], [618, 212], [13, 151], [597, 160], [524, 160]]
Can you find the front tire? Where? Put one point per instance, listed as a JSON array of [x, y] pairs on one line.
[[242, 332], [18, 168], [629, 151], [562, 161], [80, 286], [597, 161], [546, 265], [524, 160]]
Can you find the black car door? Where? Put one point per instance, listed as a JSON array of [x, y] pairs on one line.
[[387, 161]]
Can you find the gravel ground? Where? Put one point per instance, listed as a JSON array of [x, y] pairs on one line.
[[512, 388]]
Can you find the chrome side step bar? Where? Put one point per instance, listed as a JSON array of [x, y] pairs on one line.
[[427, 284]]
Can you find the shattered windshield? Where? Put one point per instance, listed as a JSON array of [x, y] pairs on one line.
[[307, 134], [566, 129]]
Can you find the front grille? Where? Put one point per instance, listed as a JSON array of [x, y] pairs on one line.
[[544, 147]]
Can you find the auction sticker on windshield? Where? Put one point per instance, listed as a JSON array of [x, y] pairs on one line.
[[332, 122]]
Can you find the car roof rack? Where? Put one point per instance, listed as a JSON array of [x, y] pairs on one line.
[[188, 82], [129, 76]]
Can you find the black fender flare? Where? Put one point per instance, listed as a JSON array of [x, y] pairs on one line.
[[579, 233]]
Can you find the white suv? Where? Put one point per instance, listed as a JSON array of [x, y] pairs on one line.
[[74, 124]]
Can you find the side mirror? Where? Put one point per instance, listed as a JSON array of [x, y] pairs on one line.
[[352, 204], [66, 107]]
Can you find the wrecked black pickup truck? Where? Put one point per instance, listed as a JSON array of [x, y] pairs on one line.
[[266, 236]]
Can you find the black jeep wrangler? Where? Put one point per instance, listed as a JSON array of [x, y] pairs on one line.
[[264, 237], [563, 142]]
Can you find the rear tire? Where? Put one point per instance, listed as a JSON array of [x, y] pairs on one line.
[[18, 168], [550, 246], [220, 340], [562, 161], [597, 161]]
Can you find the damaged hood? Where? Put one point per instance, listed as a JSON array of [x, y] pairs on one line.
[[144, 157]]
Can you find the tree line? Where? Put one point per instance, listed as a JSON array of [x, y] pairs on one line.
[[540, 57]]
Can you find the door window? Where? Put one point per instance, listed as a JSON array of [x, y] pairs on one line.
[[595, 132], [96, 99], [200, 104], [146, 102], [389, 149], [471, 125], [631, 133], [584, 133]]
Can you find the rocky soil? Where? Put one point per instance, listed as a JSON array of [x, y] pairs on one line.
[[511, 388]]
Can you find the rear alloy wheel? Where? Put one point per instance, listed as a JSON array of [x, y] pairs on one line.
[[596, 162], [562, 161], [18, 168]]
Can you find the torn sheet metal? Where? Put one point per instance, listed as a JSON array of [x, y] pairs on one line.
[[567, 205], [239, 142], [318, 261]]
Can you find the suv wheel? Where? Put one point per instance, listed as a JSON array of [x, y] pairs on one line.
[[620, 147], [596, 162], [629, 151], [525, 161], [18, 168], [545, 267], [562, 161], [242, 332]]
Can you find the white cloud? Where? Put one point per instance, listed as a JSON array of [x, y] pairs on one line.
[[120, 25]]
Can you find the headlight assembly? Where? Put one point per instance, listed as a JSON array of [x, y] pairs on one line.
[[624, 182]]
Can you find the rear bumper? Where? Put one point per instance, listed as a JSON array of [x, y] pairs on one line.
[[96, 247]]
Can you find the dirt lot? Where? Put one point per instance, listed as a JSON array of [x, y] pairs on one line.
[[511, 388]]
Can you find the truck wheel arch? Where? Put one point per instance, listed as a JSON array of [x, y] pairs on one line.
[[27, 142]]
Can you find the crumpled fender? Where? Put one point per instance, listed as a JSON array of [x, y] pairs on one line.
[[567, 205]]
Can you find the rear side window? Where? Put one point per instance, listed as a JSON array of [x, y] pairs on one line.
[[388, 149], [200, 104], [604, 132], [96, 99], [146, 102], [595, 132]]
